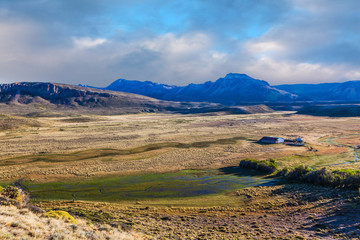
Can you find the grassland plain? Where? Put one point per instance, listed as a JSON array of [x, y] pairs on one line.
[[58, 147], [50, 151]]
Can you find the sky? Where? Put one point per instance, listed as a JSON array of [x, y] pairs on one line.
[[177, 42]]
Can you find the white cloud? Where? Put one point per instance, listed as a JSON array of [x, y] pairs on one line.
[[263, 48], [285, 72], [86, 42]]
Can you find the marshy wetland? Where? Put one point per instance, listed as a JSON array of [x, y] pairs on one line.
[[175, 176]]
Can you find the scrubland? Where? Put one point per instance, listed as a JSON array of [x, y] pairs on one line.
[[69, 149]]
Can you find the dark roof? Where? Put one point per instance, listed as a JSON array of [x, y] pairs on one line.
[[269, 138]]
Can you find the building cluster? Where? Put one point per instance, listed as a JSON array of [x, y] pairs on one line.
[[275, 140]]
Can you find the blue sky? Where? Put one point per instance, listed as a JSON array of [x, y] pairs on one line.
[[178, 42]]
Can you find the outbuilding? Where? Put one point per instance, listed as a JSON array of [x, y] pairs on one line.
[[271, 140]]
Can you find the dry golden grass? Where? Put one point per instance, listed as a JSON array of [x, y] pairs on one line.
[[22, 224], [81, 146]]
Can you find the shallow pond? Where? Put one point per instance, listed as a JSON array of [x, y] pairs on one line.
[[186, 183]]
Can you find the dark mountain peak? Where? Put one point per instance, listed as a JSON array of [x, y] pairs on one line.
[[237, 76], [241, 80]]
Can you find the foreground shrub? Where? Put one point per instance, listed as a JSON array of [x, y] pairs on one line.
[[266, 166], [11, 195], [324, 177], [61, 215]]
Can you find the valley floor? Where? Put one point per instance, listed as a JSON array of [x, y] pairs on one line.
[[64, 150], [75, 147]]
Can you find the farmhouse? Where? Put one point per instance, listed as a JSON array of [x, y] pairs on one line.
[[271, 140]]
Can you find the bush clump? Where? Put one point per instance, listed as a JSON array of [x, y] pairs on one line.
[[266, 166], [11, 195], [61, 215], [323, 177]]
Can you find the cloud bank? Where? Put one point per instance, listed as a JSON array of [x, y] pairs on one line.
[[95, 42]]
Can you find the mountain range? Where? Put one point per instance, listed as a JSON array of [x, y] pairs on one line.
[[234, 89], [240, 89], [346, 91], [229, 95], [32, 96]]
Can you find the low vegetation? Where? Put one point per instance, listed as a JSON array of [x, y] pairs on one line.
[[323, 177], [8, 122], [338, 178]]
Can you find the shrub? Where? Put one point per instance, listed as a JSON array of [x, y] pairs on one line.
[[11, 192], [267, 166], [298, 173], [61, 215], [13, 196], [337, 178]]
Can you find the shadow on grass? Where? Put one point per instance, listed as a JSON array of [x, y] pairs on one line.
[[336, 209]]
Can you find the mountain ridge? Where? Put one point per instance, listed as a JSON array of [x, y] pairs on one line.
[[234, 89], [42, 95], [343, 91]]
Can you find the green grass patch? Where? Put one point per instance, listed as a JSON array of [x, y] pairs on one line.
[[183, 184], [316, 160]]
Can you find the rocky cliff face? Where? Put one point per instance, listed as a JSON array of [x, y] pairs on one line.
[[62, 94], [233, 89]]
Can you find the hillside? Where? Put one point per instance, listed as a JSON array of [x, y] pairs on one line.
[[21, 220], [70, 95], [347, 91], [234, 89]]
